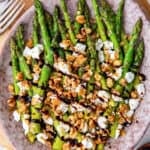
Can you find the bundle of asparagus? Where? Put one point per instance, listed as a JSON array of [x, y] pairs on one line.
[[76, 82]]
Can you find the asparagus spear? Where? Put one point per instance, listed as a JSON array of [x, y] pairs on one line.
[[80, 11], [58, 143], [56, 33], [49, 21], [109, 11], [128, 60], [22, 62], [100, 147], [130, 53], [110, 27], [19, 38], [45, 75], [35, 31], [68, 21], [119, 19], [136, 64], [99, 21], [138, 56], [49, 54], [15, 65]]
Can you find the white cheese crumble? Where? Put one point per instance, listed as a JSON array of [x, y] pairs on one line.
[[104, 95], [62, 127], [117, 98], [16, 115], [133, 103], [62, 66], [36, 77], [99, 44], [22, 88], [80, 47], [75, 107], [36, 99], [101, 56], [84, 128], [129, 77], [111, 54], [140, 89], [117, 134], [78, 88], [63, 107], [117, 75], [25, 125], [33, 52], [87, 143], [108, 45], [130, 113], [26, 116], [41, 137], [48, 120], [102, 122]]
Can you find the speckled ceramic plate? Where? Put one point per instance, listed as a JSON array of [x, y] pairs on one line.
[[133, 133]]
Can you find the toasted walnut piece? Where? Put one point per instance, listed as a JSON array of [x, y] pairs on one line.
[[115, 92], [11, 102], [106, 67], [80, 36], [83, 31], [117, 63], [91, 124], [80, 19], [122, 132], [110, 82], [80, 60], [121, 120], [29, 43], [134, 94], [123, 108], [88, 30], [111, 118], [70, 58], [36, 68], [123, 82], [66, 43], [73, 133], [29, 60], [97, 77], [19, 76], [11, 88], [23, 107], [66, 146]]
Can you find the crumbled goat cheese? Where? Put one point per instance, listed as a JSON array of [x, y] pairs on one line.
[[48, 120], [129, 77], [117, 98], [133, 103], [80, 47], [112, 54], [78, 88], [75, 107], [87, 143], [102, 122], [117, 75], [99, 44], [22, 88], [33, 52], [36, 77], [41, 137], [108, 45], [16, 115], [85, 128], [75, 54], [36, 96], [25, 125], [140, 89], [62, 127], [62, 66], [117, 134], [101, 56], [130, 113], [63, 107], [26, 116], [104, 95]]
